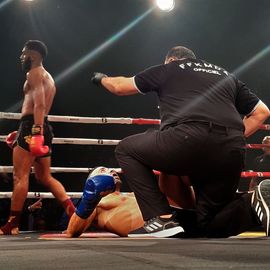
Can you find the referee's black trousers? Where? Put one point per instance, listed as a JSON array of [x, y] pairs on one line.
[[211, 155]]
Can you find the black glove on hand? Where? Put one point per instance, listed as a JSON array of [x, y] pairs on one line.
[[97, 77]]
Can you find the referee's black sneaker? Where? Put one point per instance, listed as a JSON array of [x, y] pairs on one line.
[[260, 202], [158, 227]]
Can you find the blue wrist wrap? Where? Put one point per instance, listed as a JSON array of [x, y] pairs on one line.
[[94, 189]]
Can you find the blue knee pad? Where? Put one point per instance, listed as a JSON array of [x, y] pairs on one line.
[[94, 189]]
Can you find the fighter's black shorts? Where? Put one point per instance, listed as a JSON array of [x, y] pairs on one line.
[[24, 133]]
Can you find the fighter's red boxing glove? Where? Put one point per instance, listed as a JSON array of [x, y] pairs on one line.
[[36, 145], [11, 138]]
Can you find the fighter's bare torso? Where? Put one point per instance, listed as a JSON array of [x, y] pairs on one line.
[[119, 213], [39, 85]]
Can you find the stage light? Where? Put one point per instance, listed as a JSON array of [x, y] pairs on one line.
[[165, 5], [4, 3]]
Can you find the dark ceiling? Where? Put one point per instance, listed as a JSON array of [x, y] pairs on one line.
[[227, 33]]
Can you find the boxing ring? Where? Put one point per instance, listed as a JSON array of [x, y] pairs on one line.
[[31, 249], [99, 142]]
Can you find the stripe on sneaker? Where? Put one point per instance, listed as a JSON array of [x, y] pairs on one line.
[[157, 224], [257, 206], [259, 211], [153, 226], [261, 216], [148, 228], [159, 234]]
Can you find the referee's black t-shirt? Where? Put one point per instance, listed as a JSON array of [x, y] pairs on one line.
[[192, 89]]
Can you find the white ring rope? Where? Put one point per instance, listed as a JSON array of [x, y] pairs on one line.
[[44, 195], [98, 120], [9, 169], [49, 195], [83, 141], [80, 141], [87, 120]]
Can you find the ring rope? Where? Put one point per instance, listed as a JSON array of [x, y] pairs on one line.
[[80, 141], [43, 195], [9, 169], [257, 146], [98, 120], [265, 127], [83, 141], [255, 174], [88, 120], [49, 195]]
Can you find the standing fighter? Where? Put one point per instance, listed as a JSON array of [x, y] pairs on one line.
[[32, 145], [202, 135]]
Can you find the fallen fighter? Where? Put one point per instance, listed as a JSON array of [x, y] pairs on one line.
[[119, 212], [103, 205]]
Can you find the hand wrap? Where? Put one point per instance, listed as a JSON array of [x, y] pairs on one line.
[[36, 145], [37, 130]]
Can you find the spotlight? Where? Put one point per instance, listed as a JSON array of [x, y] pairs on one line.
[[165, 5]]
